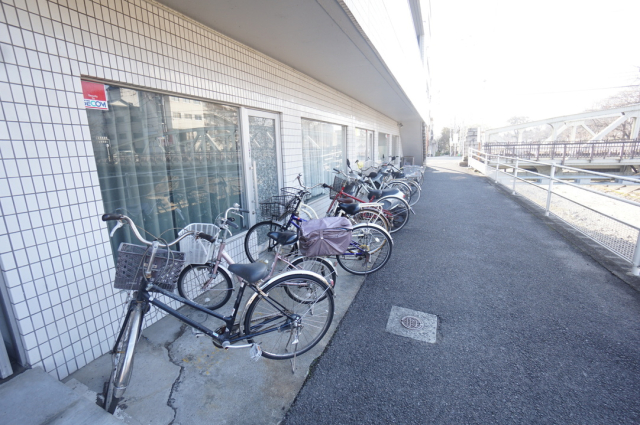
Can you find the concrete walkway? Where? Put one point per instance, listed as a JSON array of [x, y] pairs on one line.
[[530, 328], [178, 378]]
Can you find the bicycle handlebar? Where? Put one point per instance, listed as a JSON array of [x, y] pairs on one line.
[[306, 188], [121, 218]]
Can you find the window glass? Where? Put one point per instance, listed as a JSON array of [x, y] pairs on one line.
[[322, 151], [363, 147], [384, 142], [161, 169]]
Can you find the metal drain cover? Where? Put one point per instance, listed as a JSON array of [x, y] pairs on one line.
[[413, 324]]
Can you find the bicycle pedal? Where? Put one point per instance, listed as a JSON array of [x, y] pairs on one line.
[[255, 352]]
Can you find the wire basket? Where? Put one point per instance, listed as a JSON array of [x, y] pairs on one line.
[[133, 261], [338, 184], [278, 207], [197, 251]]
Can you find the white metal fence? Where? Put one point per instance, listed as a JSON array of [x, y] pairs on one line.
[[611, 221]]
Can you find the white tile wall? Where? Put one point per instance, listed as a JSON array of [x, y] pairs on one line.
[[54, 250]]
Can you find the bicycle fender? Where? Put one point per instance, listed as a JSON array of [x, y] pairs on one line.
[[122, 382]]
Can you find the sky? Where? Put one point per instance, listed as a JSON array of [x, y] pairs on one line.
[[491, 60]]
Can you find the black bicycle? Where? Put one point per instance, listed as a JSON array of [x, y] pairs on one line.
[[274, 324]]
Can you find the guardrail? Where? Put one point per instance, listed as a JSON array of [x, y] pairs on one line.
[[611, 221], [617, 150]]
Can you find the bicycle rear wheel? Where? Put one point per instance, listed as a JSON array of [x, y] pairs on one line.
[[123, 353], [290, 327], [371, 215], [397, 211], [198, 284], [257, 245], [402, 187], [318, 265], [369, 251]]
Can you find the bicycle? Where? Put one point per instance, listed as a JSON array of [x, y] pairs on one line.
[[362, 212], [210, 285], [369, 250], [412, 177], [384, 177], [274, 324], [284, 211], [394, 208], [257, 243]]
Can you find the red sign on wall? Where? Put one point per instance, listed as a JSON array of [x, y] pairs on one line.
[[95, 95]]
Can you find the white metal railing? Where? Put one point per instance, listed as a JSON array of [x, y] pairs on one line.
[[611, 221]]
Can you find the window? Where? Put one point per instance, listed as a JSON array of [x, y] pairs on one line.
[[362, 150], [396, 148], [384, 142], [188, 116], [322, 151], [163, 172], [177, 115]]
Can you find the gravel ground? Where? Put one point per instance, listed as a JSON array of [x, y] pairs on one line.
[[613, 223]]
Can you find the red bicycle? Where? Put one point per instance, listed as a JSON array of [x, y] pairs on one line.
[[394, 209]]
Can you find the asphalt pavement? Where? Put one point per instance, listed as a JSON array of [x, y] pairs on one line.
[[530, 329]]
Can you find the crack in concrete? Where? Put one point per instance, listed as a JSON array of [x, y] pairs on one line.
[[178, 380]]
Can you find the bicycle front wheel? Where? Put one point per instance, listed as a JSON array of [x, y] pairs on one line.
[[257, 245], [369, 251], [307, 213], [197, 283], [122, 356], [287, 326], [415, 192]]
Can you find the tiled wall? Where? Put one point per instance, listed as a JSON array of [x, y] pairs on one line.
[[54, 250]]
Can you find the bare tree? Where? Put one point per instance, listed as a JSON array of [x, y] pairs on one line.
[[629, 96]]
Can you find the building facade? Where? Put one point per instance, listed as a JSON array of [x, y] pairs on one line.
[[148, 109]]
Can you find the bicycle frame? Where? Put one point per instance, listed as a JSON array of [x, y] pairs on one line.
[[143, 295], [222, 255]]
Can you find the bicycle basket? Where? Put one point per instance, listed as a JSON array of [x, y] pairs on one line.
[[338, 184], [197, 251], [279, 206], [273, 210], [133, 261], [292, 191], [326, 236]]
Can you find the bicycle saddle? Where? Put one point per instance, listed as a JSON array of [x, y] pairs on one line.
[[283, 238], [377, 194], [350, 209], [252, 272]]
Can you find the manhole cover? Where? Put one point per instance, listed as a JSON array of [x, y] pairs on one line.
[[411, 322]]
